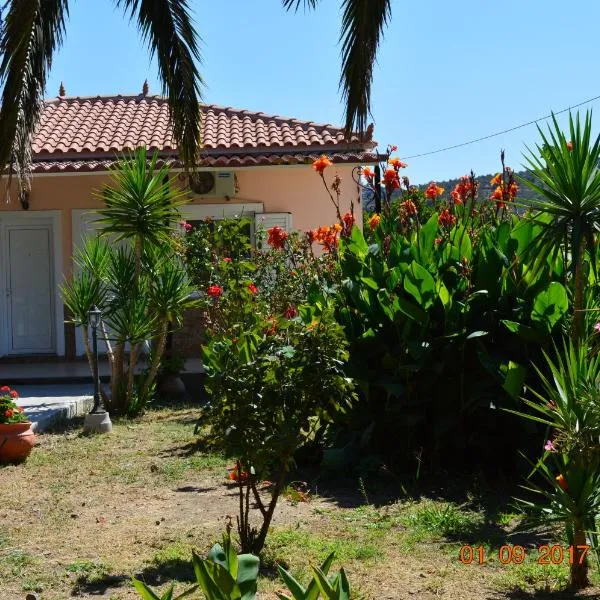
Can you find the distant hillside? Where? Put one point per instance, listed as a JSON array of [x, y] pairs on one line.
[[485, 188]]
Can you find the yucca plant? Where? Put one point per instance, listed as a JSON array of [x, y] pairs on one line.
[[569, 405], [139, 284], [566, 177]]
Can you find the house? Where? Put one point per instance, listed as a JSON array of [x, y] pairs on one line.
[[250, 163]]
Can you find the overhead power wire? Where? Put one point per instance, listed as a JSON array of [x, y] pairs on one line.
[[491, 135]]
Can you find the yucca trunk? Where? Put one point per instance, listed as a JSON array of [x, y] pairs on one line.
[[578, 296], [579, 568], [156, 356], [118, 402]]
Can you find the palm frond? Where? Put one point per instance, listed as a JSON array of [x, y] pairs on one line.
[[31, 33], [295, 4], [167, 27], [363, 22]]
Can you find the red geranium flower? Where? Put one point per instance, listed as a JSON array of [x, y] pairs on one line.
[[9, 413], [214, 291], [14, 394], [4, 388], [227, 259], [253, 289]]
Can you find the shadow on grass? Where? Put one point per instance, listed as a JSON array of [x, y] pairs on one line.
[[175, 569], [558, 595], [98, 585]]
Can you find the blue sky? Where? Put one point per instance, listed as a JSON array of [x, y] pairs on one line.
[[447, 71]]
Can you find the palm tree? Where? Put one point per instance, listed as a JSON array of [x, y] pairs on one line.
[[31, 31], [363, 22], [566, 177]]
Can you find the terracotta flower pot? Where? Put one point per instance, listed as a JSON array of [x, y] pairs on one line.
[[16, 441]]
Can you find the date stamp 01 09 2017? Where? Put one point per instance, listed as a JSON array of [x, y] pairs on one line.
[[515, 555]]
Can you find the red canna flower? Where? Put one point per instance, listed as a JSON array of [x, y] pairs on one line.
[[562, 482], [409, 208], [276, 237], [214, 291], [374, 221], [253, 289], [390, 179], [321, 164], [446, 218], [349, 220], [291, 312], [433, 191]]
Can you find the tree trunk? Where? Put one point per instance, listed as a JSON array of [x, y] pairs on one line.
[[579, 568], [116, 379], [578, 298], [156, 356]]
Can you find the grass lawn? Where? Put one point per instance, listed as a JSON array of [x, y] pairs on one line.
[[84, 514]]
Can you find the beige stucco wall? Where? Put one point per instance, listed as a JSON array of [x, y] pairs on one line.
[[295, 189]]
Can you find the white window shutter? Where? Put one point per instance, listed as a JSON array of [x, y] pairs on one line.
[[264, 221]]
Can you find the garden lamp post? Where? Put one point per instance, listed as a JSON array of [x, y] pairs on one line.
[[98, 420]]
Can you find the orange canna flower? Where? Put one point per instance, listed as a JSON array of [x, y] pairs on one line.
[[321, 164], [368, 173], [562, 482], [374, 221], [433, 191], [496, 180], [397, 163]]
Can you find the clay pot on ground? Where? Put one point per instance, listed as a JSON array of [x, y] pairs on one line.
[[16, 442]]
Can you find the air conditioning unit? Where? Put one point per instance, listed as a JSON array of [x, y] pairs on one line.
[[211, 184]]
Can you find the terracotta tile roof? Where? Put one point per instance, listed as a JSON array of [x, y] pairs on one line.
[[84, 134]]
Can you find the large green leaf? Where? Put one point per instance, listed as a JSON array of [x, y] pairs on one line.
[[419, 283], [514, 379], [247, 575], [550, 305]]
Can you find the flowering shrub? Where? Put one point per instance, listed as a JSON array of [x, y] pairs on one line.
[[9, 411]]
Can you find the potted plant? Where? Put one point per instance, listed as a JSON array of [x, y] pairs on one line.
[[16, 435]]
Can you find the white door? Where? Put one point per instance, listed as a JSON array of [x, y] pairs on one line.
[[30, 290]]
